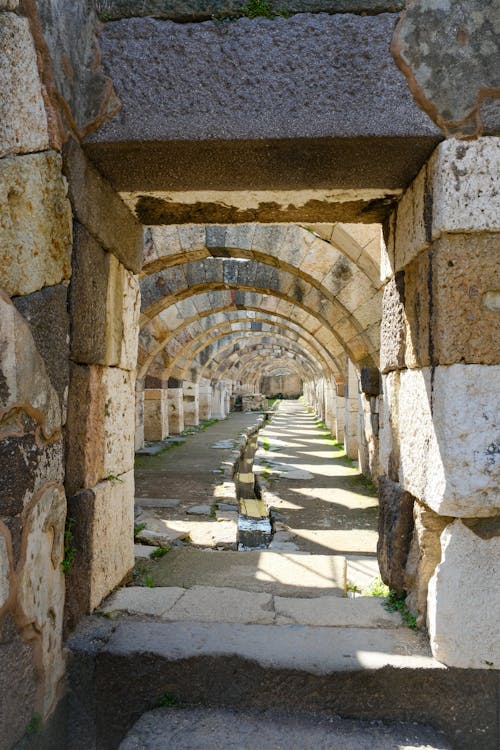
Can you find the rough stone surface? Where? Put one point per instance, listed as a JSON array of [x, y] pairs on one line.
[[35, 223], [155, 414], [23, 122], [215, 728], [119, 420], [447, 427], [104, 306], [201, 10], [413, 218], [40, 590], [370, 381], [395, 532], [17, 683], [465, 196], [103, 537], [47, 314], [467, 560], [101, 211], [447, 55], [424, 555]]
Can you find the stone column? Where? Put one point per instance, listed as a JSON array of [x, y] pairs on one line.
[[191, 404], [330, 406], [155, 413], [205, 401], [175, 410], [351, 441], [139, 414], [340, 414], [440, 357]]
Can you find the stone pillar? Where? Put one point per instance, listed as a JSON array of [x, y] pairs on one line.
[[351, 441], [330, 406], [155, 413], [340, 415], [191, 404], [440, 357], [139, 414], [205, 401], [175, 410]]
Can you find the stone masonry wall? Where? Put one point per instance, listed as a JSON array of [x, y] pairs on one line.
[[440, 359], [69, 306]]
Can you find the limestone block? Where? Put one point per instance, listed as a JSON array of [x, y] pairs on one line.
[[175, 410], [395, 532], [448, 422], [423, 556], [4, 570], [85, 428], [387, 262], [463, 609], [205, 402], [119, 420], [191, 405], [17, 683], [389, 426], [100, 209], [105, 306], [412, 233], [103, 536], [139, 414], [41, 586], [392, 327], [155, 414], [47, 314], [23, 122], [417, 314], [465, 269], [465, 186], [35, 223]]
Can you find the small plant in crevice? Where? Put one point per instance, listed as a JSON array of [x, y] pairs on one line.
[[377, 588], [396, 602], [138, 528], [148, 581], [167, 700], [159, 552], [35, 724], [113, 478], [69, 547]]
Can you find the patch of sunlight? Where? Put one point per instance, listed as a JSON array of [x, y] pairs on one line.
[[325, 455], [378, 659], [327, 470], [338, 496], [301, 570], [341, 541]]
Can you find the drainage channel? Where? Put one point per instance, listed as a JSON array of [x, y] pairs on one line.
[[254, 523]]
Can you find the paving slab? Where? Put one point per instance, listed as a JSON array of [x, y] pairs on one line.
[[213, 729], [280, 573], [330, 611], [142, 600]]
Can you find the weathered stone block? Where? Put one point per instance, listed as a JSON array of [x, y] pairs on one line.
[[100, 209], [419, 346], [105, 304], [370, 381], [40, 589], [155, 414], [447, 428], [413, 232], [392, 327], [18, 684], [85, 428], [175, 410], [47, 314], [463, 602], [395, 532], [191, 403], [424, 555], [103, 537], [23, 122], [465, 186], [35, 223], [119, 420]]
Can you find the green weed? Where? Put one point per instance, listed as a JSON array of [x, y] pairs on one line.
[[69, 547], [137, 529], [377, 588], [35, 724], [159, 552], [168, 700], [148, 581], [396, 602]]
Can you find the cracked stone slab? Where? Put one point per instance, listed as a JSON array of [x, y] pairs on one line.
[[450, 54], [157, 502], [140, 600], [198, 510], [330, 611]]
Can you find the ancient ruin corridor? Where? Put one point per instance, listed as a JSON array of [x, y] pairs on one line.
[[249, 374]]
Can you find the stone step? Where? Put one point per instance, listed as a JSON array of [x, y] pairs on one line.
[[213, 729], [120, 668], [261, 571], [230, 605]]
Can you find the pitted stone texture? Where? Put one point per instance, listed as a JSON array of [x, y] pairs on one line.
[[23, 122], [465, 186], [448, 56], [463, 625], [76, 84], [447, 432], [395, 532], [47, 314], [105, 304], [35, 223], [100, 209], [392, 327], [345, 56], [4, 568], [119, 420], [17, 683], [24, 384], [155, 414], [103, 537], [40, 589], [424, 555], [412, 232]]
